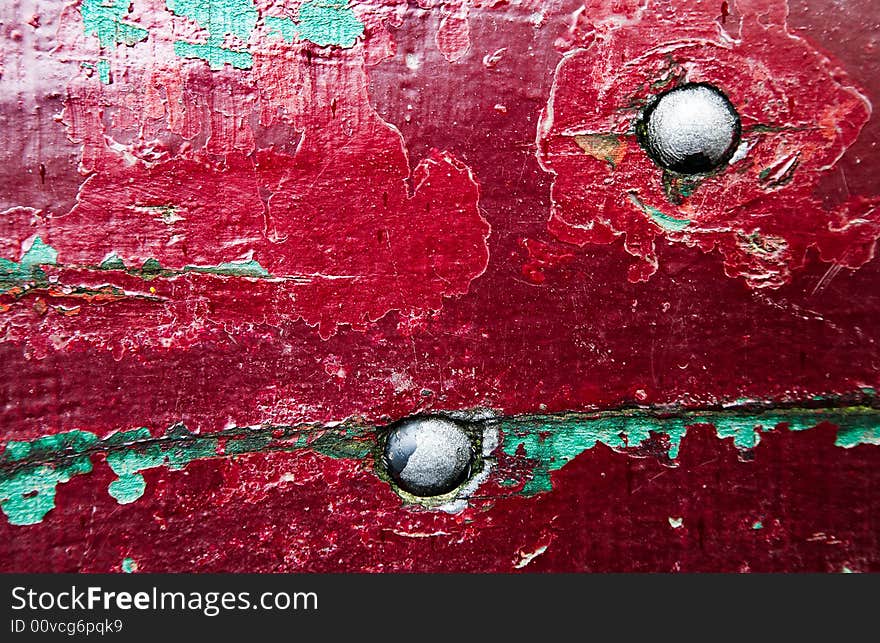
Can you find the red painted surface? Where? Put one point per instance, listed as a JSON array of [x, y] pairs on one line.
[[433, 320]]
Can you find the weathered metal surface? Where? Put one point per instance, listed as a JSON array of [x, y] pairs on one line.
[[239, 239]]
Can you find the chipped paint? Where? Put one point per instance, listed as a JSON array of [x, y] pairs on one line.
[[545, 443], [28, 267], [220, 19], [550, 442], [384, 305], [323, 22], [29, 478], [105, 19], [800, 114], [31, 471]]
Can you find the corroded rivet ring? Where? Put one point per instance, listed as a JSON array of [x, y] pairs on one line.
[[691, 129], [428, 456]]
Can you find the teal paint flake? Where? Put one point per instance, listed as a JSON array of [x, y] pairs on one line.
[[104, 20], [112, 262], [27, 268], [757, 525], [323, 22], [550, 442], [284, 27], [104, 71], [27, 488], [250, 268], [128, 463], [662, 219], [128, 565], [329, 22], [220, 18]]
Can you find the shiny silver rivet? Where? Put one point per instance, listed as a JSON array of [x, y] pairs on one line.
[[691, 129], [428, 456]]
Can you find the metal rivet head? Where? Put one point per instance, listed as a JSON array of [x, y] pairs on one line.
[[691, 129], [428, 456]]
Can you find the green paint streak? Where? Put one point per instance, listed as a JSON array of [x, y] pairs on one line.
[[220, 18], [248, 444], [128, 565], [757, 525], [550, 442], [151, 268], [660, 218], [104, 19], [49, 446], [248, 268], [31, 471]]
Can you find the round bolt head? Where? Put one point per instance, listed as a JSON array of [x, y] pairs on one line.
[[428, 456], [691, 129]]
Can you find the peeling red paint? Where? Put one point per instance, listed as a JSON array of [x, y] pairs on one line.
[[799, 111], [518, 321]]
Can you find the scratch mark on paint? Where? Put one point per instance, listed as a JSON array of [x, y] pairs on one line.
[[528, 557]]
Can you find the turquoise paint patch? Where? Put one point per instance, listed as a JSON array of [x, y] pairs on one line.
[[757, 525], [861, 428], [325, 22], [220, 18], [128, 565], [284, 27], [214, 55], [662, 219], [104, 20], [27, 269], [27, 490], [129, 462]]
